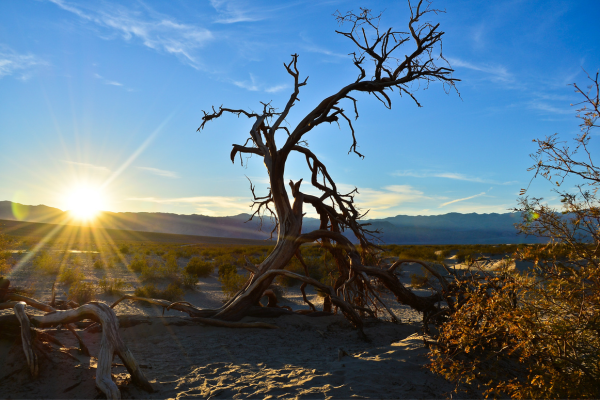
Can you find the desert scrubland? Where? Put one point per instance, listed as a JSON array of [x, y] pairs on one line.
[[307, 357]]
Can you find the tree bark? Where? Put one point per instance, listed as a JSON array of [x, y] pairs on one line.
[[111, 342]]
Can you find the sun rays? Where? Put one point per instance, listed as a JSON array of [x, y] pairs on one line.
[[85, 202]]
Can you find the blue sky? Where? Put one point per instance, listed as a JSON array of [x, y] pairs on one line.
[[109, 94]]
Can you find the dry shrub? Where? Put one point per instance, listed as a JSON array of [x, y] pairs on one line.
[[189, 281], [202, 269], [231, 281], [525, 336], [419, 281], [138, 264], [172, 293], [6, 262], [537, 335], [82, 292], [69, 276], [112, 286], [171, 268], [47, 262]]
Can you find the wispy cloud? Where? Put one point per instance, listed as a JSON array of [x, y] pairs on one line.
[[160, 172], [495, 73], [99, 168], [234, 11], [449, 175], [320, 50], [543, 106], [383, 202], [205, 205], [254, 86], [463, 199], [153, 30], [231, 12], [275, 89], [12, 63], [106, 81]]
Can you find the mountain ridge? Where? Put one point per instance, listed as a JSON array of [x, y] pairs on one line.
[[451, 228]]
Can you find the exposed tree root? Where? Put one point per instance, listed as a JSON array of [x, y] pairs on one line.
[[27, 341], [193, 312], [111, 342]]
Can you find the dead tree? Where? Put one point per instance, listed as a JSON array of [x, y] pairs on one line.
[[379, 51]]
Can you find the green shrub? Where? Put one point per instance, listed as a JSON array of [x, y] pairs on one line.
[[225, 269], [112, 286], [231, 281], [138, 264], [81, 292], [200, 268], [47, 263], [69, 276], [419, 281], [152, 269], [124, 249], [76, 260], [172, 293], [464, 256], [189, 281], [98, 264], [171, 266], [5, 256]]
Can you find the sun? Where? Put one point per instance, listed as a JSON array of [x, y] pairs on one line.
[[85, 202]]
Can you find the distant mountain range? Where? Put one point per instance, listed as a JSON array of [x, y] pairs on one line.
[[452, 228]]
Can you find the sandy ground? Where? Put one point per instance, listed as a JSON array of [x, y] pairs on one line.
[[184, 359]]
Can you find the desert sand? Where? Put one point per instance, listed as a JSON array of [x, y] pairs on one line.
[[306, 357]]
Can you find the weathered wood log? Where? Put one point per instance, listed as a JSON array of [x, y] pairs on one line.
[[45, 307], [111, 342], [195, 313], [27, 340]]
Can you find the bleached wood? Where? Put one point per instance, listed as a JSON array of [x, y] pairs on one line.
[[110, 344], [27, 340]]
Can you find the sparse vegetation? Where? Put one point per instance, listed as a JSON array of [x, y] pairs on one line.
[[537, 335], [200, 268], [5, 256], [81, 292], [138, 264], [171, 267], [230, 279], [112, 286], [419, 281], [47, 262], [172, 293], [189, 281], [69, 276]]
